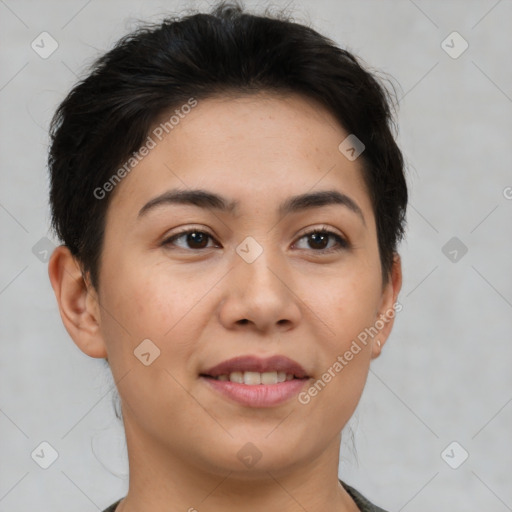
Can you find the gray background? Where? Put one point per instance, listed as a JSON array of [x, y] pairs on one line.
[[444, 374]]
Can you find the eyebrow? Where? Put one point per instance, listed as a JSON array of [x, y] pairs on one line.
[[212, 201]]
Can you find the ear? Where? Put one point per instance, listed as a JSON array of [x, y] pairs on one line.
[[78, 303], [388, 307]]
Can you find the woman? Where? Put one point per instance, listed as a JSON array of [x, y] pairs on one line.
[[230, 198]]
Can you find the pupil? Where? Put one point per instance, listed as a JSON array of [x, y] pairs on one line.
[[195, 237], [319, 235]]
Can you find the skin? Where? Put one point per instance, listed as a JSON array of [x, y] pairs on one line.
[[203, 306]]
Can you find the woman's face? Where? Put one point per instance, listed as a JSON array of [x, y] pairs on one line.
[[249, 282]]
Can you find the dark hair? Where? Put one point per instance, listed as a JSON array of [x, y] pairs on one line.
[[107, 116]]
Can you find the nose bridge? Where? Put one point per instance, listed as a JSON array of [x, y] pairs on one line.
[[260, 267], [258, 290]]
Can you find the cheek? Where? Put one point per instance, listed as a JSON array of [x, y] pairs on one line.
[[145, 302], [347, 309], [346, 304]]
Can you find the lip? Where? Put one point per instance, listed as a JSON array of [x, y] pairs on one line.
[[259, 395], [251, 363]]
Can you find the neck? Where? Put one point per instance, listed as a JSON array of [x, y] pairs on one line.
[[160, 480]]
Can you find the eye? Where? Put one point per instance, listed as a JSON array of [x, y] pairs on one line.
[[319, 240], [196, 239]]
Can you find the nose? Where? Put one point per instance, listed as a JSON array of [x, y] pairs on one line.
[[260, 294]]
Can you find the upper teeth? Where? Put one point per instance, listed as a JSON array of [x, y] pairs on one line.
[[252, 378]]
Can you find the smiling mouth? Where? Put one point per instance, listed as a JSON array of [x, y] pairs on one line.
[[254, 389], [256, 378]]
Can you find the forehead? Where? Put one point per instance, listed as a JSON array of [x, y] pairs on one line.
[[250, 120], [244, 146]]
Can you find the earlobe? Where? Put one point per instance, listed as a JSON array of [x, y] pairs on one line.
[[389, 306], [78, 303], [376, 349]]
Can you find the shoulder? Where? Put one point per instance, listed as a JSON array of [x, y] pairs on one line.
[[112, 507], [363, 504]]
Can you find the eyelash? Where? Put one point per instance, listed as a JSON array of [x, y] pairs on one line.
[[342, 242]]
